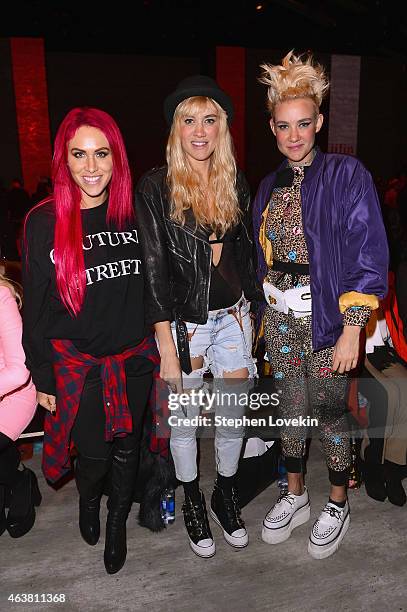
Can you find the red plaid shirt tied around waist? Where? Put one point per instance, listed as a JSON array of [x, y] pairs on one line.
[[71, 367]]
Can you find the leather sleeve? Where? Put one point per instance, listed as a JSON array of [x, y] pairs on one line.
[[152, 233]]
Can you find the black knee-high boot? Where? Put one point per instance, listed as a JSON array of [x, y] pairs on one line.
[[90, 474], [123, 476]]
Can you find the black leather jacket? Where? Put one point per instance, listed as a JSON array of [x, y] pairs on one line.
[[177, 258]]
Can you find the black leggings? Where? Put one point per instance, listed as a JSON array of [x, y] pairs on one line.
[[9, 461], [88, 432], [296, 465]]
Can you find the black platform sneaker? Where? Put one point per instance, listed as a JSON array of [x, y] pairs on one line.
[[196, 522], [225, 511]]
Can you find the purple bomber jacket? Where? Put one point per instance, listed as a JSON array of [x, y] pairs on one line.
[[345, 237]]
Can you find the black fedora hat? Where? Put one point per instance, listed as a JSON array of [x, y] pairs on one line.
[[197, 85]]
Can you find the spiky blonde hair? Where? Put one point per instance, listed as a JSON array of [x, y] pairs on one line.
[[294, 78]]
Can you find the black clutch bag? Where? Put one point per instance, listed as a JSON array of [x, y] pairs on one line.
[[183, 346]]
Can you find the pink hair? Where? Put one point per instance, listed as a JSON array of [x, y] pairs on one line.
[[68, 253]]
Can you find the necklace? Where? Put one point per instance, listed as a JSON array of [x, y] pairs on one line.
[[302, 165]]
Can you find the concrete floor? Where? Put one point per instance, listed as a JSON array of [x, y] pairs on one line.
[[161, 573]]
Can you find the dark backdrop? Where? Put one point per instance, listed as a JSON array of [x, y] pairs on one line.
[[132, 88], [129, 87]]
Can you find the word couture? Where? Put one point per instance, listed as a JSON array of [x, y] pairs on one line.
[[111, 269]]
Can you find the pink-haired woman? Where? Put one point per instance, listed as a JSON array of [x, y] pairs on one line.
[[84, 333]]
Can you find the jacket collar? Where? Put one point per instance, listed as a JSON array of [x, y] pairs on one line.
[[313, 168]]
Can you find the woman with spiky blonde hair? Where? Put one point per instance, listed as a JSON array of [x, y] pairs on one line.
[[194, 227], [322, 258]]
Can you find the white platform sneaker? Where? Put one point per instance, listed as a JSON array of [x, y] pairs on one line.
[[328, 531], [290, 511]]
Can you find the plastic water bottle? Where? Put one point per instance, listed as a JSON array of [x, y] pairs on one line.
[[37, 447], [282, 474], [168, 506]]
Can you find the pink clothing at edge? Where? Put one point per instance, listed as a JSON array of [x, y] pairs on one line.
[[16, 410]]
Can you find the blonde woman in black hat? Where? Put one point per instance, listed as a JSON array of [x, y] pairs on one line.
[[194, 227]]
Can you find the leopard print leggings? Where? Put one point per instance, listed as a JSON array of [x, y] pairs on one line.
[[308, 387]]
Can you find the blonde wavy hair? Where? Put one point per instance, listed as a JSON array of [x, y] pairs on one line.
[[184, 184], [15, 288], [294, 78]]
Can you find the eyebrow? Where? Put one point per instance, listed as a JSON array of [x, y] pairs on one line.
[[298, 121], [205, 116], [96, 150]]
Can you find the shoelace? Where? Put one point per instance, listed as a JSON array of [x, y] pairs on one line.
[[333, 512], [285, 495], [233, 509], [196, 517]]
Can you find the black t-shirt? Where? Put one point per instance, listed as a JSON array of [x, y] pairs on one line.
[[112, 316]]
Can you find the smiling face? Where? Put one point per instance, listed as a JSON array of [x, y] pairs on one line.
[[199, 134], [294, 124], [91, 165]]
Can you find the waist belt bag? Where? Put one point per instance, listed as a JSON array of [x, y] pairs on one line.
[[275, 297], [298, 300]]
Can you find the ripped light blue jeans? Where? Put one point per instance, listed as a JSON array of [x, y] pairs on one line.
[[225, 343]]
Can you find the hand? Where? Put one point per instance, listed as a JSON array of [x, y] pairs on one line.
[[49, 402], [346, 351], [170, 371]]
